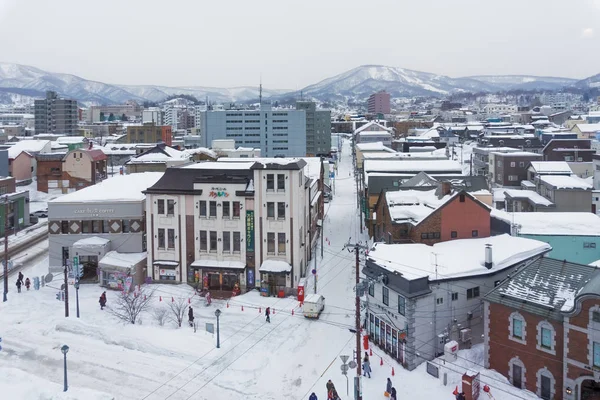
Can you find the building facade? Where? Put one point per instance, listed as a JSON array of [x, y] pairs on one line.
[[509, 169], [56, 115], [379, 103], [318, 129], [150, 133], [278, 133]]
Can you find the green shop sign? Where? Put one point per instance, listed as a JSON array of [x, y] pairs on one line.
[[250, 230]]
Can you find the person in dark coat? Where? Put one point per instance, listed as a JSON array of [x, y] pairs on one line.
[[460, 396], [21, 276], [268, 314], [393, 394], [313, 396], [329, 386], [102, 300], [19, 283], [191, 316], [27, 283], [388, 387]]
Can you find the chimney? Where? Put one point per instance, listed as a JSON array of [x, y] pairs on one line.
[[488, 256], [446, 188]]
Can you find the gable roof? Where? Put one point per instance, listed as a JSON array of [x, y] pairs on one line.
[[551, 167], [31, 146], [546, 287], [370, 124]]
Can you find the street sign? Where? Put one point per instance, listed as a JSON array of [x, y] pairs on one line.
[[352, 364], [344, 368], [314, 271], [344, 358], [76, 260]]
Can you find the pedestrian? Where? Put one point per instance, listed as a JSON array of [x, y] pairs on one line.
[[388, 388], [460, 396], [268, 314], [366, 366], [102, 300], [27, 283], [393, 394], [19, 283], [20, 276], [313, 396], [191, 316]]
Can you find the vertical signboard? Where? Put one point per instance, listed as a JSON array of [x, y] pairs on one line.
[[250, 230]]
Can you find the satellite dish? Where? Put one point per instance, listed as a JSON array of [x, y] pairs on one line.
[[48, 278]]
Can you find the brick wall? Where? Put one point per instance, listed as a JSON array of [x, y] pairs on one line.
[[432, 224], [464, 218], [579, 349], [48, 170], [502, 349]]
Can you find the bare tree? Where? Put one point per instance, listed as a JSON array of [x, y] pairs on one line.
[[178, 309], [129, 306], [160, 315]]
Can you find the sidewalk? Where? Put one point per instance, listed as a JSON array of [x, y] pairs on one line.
[[18, 242]]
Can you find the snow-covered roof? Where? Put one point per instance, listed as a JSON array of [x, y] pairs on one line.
[[31, 146], [413, 206], [371, 124], [456, 258], [565, 182], [117, 188], [275, 266], [375, 146], [551, 167], [417, 155], [91, 242], [552, 223], [530, 195], [412, 166], [588, 128], [212, 263], [200, 150], [221, 164], [122, 260], [71, 139]]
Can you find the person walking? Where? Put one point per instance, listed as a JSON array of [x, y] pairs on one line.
[[27, 283], [393, 394], [366, 366], [313, 396], [21, 276], [102, 300], [268, 314], [19, 283], [191, 316], [388, 388]]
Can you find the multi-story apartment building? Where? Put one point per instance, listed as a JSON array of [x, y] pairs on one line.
[[150, 133], [278, 133], [509, 169], [56, 115], [222, 225], [152, 115], [171, 117], [379, 103], [131, 110], [318, 129]]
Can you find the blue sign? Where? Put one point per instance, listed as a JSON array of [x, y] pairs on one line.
[[314, 271]]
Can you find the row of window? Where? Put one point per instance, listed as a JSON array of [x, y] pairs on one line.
[[231, 241], [436, 235], [170, 243], [229, 209], [169, 210], [471, 294], [281, 241], [280, 210], [280, 121], [280, 182], [96, 226]]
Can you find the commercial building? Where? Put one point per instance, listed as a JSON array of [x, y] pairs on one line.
[[18, 206], [105, 218], [318, 129], [130, 110], [278, 133], [379, 103], [56, 115], [150, 132], [66, 172], [219, 225]]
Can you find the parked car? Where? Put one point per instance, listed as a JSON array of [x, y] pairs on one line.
[[313, 306], [41, 213]]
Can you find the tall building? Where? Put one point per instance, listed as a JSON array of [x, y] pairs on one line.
[[150, 133], [278, 133], [152, 114], [56, 115], [379, 103], [172, 117], [318, 128]]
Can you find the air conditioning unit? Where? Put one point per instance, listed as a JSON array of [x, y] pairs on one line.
[[465, 335]]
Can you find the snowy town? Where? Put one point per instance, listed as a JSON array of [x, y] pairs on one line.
[[383, 233]]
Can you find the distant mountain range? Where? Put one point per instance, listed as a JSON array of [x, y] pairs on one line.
[[19, 81]]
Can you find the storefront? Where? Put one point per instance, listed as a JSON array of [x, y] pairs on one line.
[[122, 271], [168, 271], [221, 278], [387, 336], [275, 278], [89, 251]]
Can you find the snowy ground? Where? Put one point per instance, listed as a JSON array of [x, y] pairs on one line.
[[286, 359]]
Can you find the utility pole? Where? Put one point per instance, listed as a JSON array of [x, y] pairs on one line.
[[5, 248], [322, 203]]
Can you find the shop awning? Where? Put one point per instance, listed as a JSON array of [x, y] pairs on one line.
[[218, 264], [275, 266], [91, 243], [166, 263], [122, 262]]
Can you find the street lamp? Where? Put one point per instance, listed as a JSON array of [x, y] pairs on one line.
[[218, 314], [65, 350]]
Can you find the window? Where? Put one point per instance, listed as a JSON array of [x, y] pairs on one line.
[[170, 207], [473, 293], [513, 178], [213, 241], [461, 198], [546, 336], [203, 208], [271, 210], [439, 301], [521, 164], [517, 331], [226, 209], [589, 245], [386, 296], [596, 355], [401, 305], [513, 164], [371, 290], [97, 226], [270, 182], [236, 209], [475, 233], [423, 236], [271, 243], [280, 210], [161, 238], [517, 325], [236, 242], [453, 234], [64, 227], [226, 242], [105, 227], [454, 296], [596, 316], [280, 182], [161, 206], [86, 226], [281, 243], [125, 226], [203, 240], [171, 238], [499, 163], [212, 209]]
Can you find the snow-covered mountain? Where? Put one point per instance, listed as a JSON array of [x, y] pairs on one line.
[[354, 85], [591, 82]]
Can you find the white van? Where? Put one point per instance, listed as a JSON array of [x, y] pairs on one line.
[[313, 305]]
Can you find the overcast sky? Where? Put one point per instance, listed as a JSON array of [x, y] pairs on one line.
[[296, 43]]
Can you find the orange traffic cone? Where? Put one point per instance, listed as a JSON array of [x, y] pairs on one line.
[[227, 305], [189, 301], [393, 373], [159, 298], [455, 391], [259, 310], [380, 361]]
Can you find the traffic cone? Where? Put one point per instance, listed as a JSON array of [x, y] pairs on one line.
[[242, 308], [189, 301], [227, 305], [172, 299], [159, 298], [393, 373], [455, 391], [259, 310], [380, 361], [292, 311], [371, 352]]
